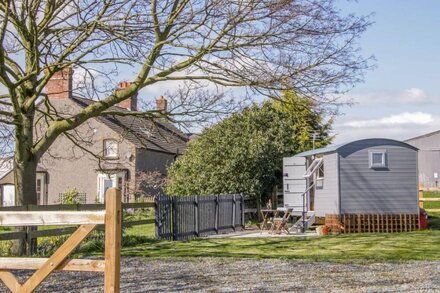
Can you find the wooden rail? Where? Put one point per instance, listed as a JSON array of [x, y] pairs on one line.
[[31, 234], [74, 207], [423, 199], [111, 217]]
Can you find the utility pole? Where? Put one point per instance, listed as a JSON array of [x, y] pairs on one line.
[[314, 138]]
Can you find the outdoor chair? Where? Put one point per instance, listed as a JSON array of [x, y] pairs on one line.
[[279, 223]]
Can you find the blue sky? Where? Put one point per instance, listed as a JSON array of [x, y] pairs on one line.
[[401, 97]]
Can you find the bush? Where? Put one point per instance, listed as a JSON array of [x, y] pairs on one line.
[[71, 196]]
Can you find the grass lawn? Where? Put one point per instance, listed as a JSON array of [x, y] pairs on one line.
[[420, 245], [431, 205]]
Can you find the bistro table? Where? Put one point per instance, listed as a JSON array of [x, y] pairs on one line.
[[267, 215]]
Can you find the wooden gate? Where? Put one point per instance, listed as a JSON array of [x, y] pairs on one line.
[[88, 221]]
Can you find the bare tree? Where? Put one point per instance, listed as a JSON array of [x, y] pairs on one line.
[[148, 184], [261, 45]]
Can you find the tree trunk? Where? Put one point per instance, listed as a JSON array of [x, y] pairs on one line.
[[25, 194], [25, 169], [275, 197], [25, 174]]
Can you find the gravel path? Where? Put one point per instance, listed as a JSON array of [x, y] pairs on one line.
[[245, 275]]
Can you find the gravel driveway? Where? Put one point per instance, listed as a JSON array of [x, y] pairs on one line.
[[228, 275]]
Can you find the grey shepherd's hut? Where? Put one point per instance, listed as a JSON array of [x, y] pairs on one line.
[[369, 185]]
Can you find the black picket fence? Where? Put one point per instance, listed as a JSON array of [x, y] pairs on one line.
[[181, 218]]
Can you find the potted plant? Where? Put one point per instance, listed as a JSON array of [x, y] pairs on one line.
[[326, 230]]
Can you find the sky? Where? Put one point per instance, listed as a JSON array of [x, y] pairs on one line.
[[400, 98]]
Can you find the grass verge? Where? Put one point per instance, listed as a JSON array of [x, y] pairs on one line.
[[381, 247], [431, 204]]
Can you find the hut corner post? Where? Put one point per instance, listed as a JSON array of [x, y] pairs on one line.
[[113, 236], [421, 199]]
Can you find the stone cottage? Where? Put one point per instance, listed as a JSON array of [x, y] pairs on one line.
[[104, 152]]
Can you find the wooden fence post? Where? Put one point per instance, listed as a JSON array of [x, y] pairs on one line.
[[234, 207], [242, 210], [113, 231], [31, 243], [216, 213], [156, 216], [196, 215], [174, 215], [421, 199]]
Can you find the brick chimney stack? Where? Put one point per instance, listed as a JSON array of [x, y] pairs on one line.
[[130, 103], [59, 86], [161, 104]]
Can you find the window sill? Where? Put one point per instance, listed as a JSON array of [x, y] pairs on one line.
[[110, 158], [379, 167]]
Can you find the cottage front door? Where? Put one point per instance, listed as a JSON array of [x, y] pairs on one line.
[[105, 181]]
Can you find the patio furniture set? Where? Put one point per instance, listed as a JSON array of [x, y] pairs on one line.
[[276, 220]]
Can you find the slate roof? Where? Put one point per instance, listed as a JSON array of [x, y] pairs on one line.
[[159, 135], [6, 166]]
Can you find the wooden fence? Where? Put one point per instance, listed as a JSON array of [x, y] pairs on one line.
[[180, 218], [423, 199], [33, 234], [88, 221]]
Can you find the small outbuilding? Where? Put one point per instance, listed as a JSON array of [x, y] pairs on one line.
[[369, 185]]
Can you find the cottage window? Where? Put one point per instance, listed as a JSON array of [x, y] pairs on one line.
[[110, 148], [378, 159]]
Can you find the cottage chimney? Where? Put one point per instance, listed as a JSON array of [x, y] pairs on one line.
[[130, 103], [161, 104], [59, 86]]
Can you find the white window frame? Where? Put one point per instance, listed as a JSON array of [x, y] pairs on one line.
[[11, 191], [321, 167], [106, 149], [312, 168], [383, 164], [114, 179]]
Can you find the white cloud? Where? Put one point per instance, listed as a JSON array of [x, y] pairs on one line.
[[413, 96], [399, 126], [418, 118]]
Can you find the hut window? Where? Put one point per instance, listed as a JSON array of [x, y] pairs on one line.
[[320, 173], [312, 168], [378, 159], [320, 177]]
